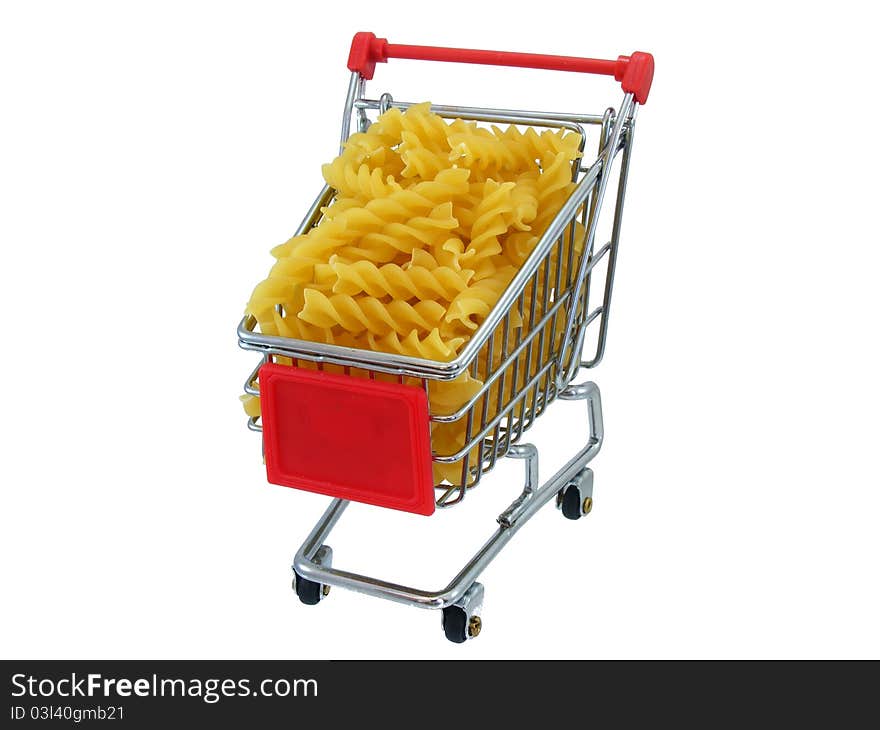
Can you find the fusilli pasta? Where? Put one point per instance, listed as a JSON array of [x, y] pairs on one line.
[[430, 222]]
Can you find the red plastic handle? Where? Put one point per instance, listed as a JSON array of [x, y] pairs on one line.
[[635, 72]]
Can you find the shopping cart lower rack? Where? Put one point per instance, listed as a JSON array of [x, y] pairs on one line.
[[379, 403]]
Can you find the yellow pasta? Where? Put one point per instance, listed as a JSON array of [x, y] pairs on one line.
[[491, 220], [430, 222], [414, 282], [369, 314], [430, 347], [472, 305]]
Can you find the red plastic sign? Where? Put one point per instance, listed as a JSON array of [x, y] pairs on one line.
[[358, 439]]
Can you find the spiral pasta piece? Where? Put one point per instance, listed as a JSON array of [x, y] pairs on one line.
[[477, 301], [419, 282], [420, 161], [490, 222], [543, 145], [373, 148], [430, 347], [366, 183], [524, 200], [479, 149], [424, 129], [369, 314]]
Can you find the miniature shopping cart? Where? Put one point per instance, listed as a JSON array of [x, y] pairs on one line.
[[315, 397]]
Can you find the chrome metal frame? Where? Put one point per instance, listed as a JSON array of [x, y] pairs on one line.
[[542, 296]]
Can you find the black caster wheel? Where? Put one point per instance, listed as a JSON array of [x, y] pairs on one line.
[[458, 627], [570, 500], [308, 591], [576, 500], [455, 622], [461, 621]]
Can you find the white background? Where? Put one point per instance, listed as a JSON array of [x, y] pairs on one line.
[[153, 152]]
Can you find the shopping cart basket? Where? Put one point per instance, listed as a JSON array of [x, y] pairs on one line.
[[379, 404]]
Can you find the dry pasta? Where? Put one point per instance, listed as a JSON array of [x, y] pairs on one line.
[[429, 224]]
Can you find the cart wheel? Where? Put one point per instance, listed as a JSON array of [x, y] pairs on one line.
[[308, 591], [576, 499], [455, 624], [571, 502], [461, 621]]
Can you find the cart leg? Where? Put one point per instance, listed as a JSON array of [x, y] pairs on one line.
[[529, 453]]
